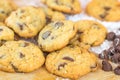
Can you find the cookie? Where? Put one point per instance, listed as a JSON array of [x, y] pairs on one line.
[[90, 32], [53, 15], [56, 35], [6, 7], [26, 21], [66, 6], [6, 34], [20, 56], [71, 62], [108, 10]]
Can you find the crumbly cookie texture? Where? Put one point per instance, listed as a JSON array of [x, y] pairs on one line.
[[71, 62], [56, 35], [6, 7], [53, 15], [89, 33], [20, 56], [6, 34], [66, 6], [108, 10], [26, 21]]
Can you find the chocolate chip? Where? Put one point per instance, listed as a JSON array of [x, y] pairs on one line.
[[62, 65], [117, 70], [106, 66], [68, 58], [20, 25], [111, 51], [14, 67], [22, 55], [3, 12], [59, 24], [116, 42], [1, 30], [107, 8], [103, 15], [111, 36], [48, 20], [46, 34], [116, 58], [117, 48], [26, 44]]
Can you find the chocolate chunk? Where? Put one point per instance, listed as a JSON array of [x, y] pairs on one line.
[[22, 55], [68, 58], [106, 66], [107, 8], [117, 48], [48, 20], [1, 30], [103, 15], [46, 34], [62, 65], [111, 51], [117, 70], [20, 25], [58, 24], [3, 12], [116, 42], [26, 44], [111, 36], [116, 58], [14, 67]]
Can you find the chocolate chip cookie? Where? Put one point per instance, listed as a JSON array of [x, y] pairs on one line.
[[6, 34], [66, 6], [20, 56], [26, 21], [6, 7], [53, 15], [90, 32], [108, 10], [56, 35], [71, 62]]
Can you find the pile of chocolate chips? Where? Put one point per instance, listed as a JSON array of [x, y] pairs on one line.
[[112, 54]]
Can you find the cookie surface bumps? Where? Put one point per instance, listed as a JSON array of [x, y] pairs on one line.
[[66, 6], [108, 10], [6, 7], [71, 62], [26, 21], [56, 35], [91, 32], [20, 56]]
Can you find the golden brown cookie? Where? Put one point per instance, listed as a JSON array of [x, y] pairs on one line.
[[26, 21], [6, 34], [108, 10], [89, 33], [20, 56], [6, 7], [56, 35], [66, 6], [71, 62]]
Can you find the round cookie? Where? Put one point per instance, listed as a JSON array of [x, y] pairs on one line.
[[56, 35], [66, 6], [108, 10], [6, 34], [26, 21], [53, 15], [6, 7], [90, 32], [20, 56], [71, 62]]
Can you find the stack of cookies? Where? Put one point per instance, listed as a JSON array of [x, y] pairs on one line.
[[31, 37]]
